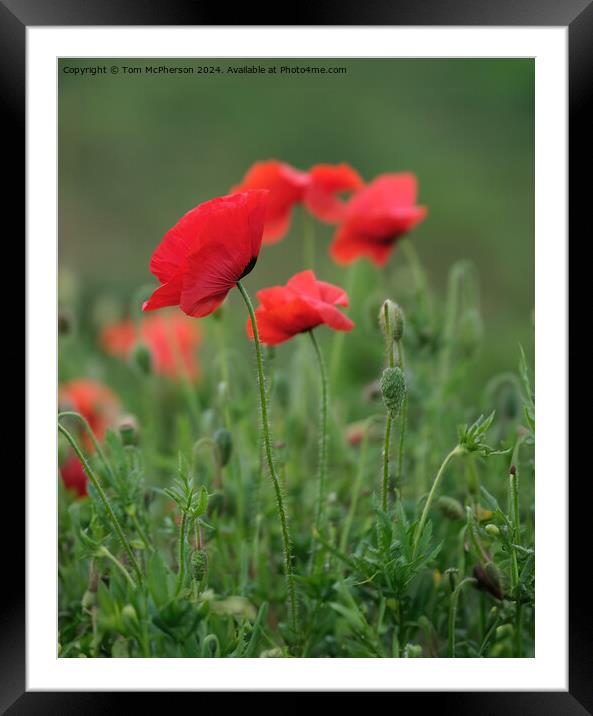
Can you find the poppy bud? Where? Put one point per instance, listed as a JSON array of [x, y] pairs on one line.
[[224, 443], [471, 330], [89, 599], [393, 389], [129, 617], [492, 531], [396, 319], [490, 579], [199, 564], [128, 430], [451, 508], [142, 358]]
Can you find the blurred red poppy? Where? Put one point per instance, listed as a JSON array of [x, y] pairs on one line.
[[376, 217], [301, 305], [326, 182], [208, 250], [74, 476], [287, 187], [171, 338], [318, 189], [100, 406]]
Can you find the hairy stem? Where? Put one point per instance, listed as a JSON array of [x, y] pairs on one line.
[[270, 460], [322, 466], [456, 451]]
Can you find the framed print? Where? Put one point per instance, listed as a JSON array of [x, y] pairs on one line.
[[292, 291]]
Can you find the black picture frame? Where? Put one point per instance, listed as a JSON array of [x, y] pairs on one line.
[[577, 15]]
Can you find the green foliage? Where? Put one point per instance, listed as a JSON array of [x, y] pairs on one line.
[[372, 582]]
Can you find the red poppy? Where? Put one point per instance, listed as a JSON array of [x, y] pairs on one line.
[[287, 187], [376, 217], [318, 189], [301, 305], [100, 406], [74, 476], [208, 250], [327, 181], [171, 338]]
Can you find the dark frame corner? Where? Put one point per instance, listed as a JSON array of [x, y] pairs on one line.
[[577, 15]]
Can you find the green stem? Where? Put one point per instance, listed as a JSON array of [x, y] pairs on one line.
[[181, 553], [338, 342], [456, 451], [104, 552], [516, 522], [103, 497], [388, 421], [402, 420], [358, 481], [270, 459], [322, 466], [453, 614], [386, 447]]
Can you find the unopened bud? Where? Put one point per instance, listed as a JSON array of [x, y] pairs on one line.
[[451, 508], [142, 358], [492, 531], [89, 599], [224, 443], [129, 617], [128, 430], [471, 330], [199, 564], [393, 390], [391, 312]]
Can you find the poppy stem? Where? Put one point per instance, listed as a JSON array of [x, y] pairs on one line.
[[388, 421], [420, 528], [402, 419], [322, 466], [103, 497], [270, 459], [308, 239]]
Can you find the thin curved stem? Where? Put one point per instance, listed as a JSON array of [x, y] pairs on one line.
[[388, 421], [456, 451], [322, 466], [453, 614], [103, 497], [91, 434], [270, 459]]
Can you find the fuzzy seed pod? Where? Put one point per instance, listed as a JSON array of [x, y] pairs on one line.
[[224, 443], [393, 390], [396, 319], [451, 508], [199, 564], [142, 358]]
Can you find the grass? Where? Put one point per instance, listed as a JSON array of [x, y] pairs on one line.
[[411, 541]]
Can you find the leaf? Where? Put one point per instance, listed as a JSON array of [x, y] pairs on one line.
[[158, 575]]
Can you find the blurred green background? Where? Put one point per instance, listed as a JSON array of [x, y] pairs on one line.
[[138, 151]]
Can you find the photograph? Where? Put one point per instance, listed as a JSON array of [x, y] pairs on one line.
[[296, 358]]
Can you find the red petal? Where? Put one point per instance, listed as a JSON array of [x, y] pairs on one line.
[[286, 185], [169, 294], [321, 197]]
